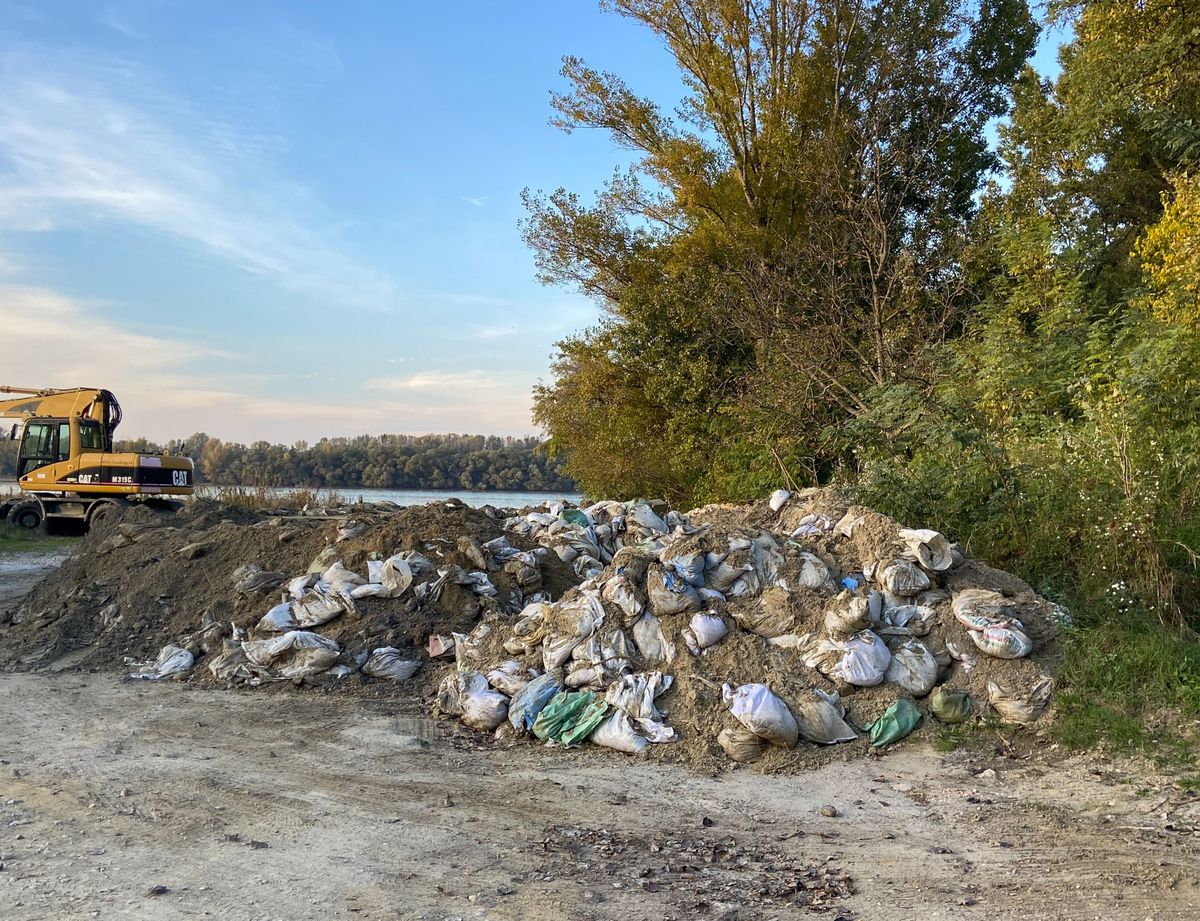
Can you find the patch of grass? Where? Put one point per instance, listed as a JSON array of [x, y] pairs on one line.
[[24, 540], [265, 498], [1120, 677]]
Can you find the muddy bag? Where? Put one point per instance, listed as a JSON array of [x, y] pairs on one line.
[[527, 704], [561, 713], [898, 722], [951, 706], [742, 745]]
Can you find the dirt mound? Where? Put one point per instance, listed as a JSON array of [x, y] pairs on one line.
[[837, 610]]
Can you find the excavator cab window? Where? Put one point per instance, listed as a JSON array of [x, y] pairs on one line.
[[40, 445], [91, 436]]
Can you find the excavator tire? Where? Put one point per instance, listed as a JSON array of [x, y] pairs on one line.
[[26, 515], [105, 512]]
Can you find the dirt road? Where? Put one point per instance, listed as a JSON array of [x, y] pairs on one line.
[[165, 801]]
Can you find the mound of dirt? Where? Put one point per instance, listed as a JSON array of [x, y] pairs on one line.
[[836, 609]]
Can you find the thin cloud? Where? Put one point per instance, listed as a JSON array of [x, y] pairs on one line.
[[475, 201], [90, 140]]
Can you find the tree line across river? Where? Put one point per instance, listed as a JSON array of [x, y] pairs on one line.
[[471, 462]]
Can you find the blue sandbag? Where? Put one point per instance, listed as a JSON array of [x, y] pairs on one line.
[[528, 702]]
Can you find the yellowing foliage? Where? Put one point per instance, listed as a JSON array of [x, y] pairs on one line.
[[1170, 254]]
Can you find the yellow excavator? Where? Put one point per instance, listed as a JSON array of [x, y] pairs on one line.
[[67, 470]]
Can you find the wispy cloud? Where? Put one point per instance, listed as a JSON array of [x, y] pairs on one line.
[[92, 139], [117, 20], [494, 332], [476, 201]]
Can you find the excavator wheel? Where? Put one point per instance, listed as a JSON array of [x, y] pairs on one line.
[[105, 512], [26, 515]]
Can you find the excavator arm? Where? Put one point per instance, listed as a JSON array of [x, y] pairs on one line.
[[96, 405]]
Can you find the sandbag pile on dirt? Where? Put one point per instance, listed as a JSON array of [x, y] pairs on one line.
[[778, 632], [247, 591], [749, 630]]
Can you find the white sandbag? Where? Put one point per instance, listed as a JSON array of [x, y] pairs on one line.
[[915, 618], [387, 662], [708, 629], [976, 608], [618, 732], [484, 710], [171, 661], [635, 694], [1003, 640], [396, 574], [341, 579], [323, 560], [456, 687], [418, 563], [813, 572], [655, 731], [370, 590], [757, 708], [557, 649], [267, 652], [1020, 706], [928, 549], [299, 587], [902, 578], [779, 499], [644, 517], [277, 620], [318, 608], [913, 667], [652, 643], [689, 566], [865, 660]]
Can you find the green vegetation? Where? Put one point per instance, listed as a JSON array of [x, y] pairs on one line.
[[817, 272], [22, 540]]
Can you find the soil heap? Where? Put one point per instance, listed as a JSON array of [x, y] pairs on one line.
[[783, 632]]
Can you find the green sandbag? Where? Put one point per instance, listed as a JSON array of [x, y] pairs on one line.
[[951, 706], [900, 720], [561, 713], [589, 720], [574, 516]]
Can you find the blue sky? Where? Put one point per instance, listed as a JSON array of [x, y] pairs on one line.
[[284, 220]]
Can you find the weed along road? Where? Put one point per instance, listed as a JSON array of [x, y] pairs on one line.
[[162, 801]]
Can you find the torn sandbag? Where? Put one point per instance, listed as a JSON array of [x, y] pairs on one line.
[[928, 549], [171, 661], [687, 564], [277, 620], [902, 578], [913, 667], [318, 607], [988, 617], [897, 722], [527, 703], [271, 652], [626, 595], [396, 575], [742, 745], [847, 614], [1020, 705], [757, 708], [340, 579], [635, 694], [670, 593], [509, 678], [562, 712], [388, 662], [256, 581], [323, 560], [643, 517], [773, 614], [455, 688], [865, 660]]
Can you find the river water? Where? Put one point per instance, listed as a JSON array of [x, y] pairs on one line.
[[497, 498]]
